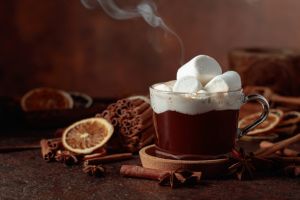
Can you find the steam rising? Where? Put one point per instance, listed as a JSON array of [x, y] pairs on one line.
[[146, 9]]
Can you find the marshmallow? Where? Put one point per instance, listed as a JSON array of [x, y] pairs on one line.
[[217, 84], [202, 92], [201, 67], [233, 80], [163, 87], [194, 103], [171, 83], [187, 84], [229, 81]]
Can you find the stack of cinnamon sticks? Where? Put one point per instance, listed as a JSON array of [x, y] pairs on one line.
[[132, 121]]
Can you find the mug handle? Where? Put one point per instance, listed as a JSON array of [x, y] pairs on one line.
[[265, 105]]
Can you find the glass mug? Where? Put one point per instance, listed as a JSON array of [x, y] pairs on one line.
[[197, 125]]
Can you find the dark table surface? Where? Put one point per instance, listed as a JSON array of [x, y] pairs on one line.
[[25, 175]]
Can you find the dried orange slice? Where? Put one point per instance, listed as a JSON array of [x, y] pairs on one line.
[[46, 99], [267, 126], [88, 135]]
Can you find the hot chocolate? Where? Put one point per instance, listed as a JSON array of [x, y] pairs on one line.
[[187, 135], [196, 116], [192, 125]]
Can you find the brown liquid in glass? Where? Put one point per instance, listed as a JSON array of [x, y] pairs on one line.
[[210, 133]]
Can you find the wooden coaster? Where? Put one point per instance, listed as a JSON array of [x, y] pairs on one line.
[[209, 168]]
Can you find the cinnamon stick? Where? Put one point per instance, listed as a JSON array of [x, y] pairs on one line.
[[146, 114], [114, 122], [136, 121], [142, 126], [286, 160], [141, 108], [176, 178], [133, 140], [124, 130], [54, 143], [126, 114], [47, 153], [288, 130], [141, 172], [278, 146], [99, 154], [120, 106], [286, 100], [108, 115], [143, 134], [124, 122], [104, 114], [147, 137], [108, 159], [145, 142], [285, 151], [6, 149], [111, 107], [123, 102], [137, 102]]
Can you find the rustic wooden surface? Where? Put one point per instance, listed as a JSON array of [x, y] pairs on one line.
[[25, 175]]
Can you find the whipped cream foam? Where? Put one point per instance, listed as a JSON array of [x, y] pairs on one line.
[[194, 103], [188, 95]]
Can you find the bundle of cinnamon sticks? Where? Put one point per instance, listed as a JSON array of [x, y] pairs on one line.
[[132, 121]]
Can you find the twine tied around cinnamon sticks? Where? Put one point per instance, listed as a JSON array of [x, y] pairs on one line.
[[132, 121]]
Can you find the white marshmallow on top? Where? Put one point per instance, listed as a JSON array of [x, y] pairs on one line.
[[233, 79], [187, 84], [163, 87], [202, 67], [202, 91], [170, 83], [166, 87], [229, 81]]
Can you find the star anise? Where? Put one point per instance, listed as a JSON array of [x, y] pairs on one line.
[[94, 170], [180, 177], [66, 157], [242, 165]]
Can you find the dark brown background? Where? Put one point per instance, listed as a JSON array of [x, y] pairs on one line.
[[59, 43]]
